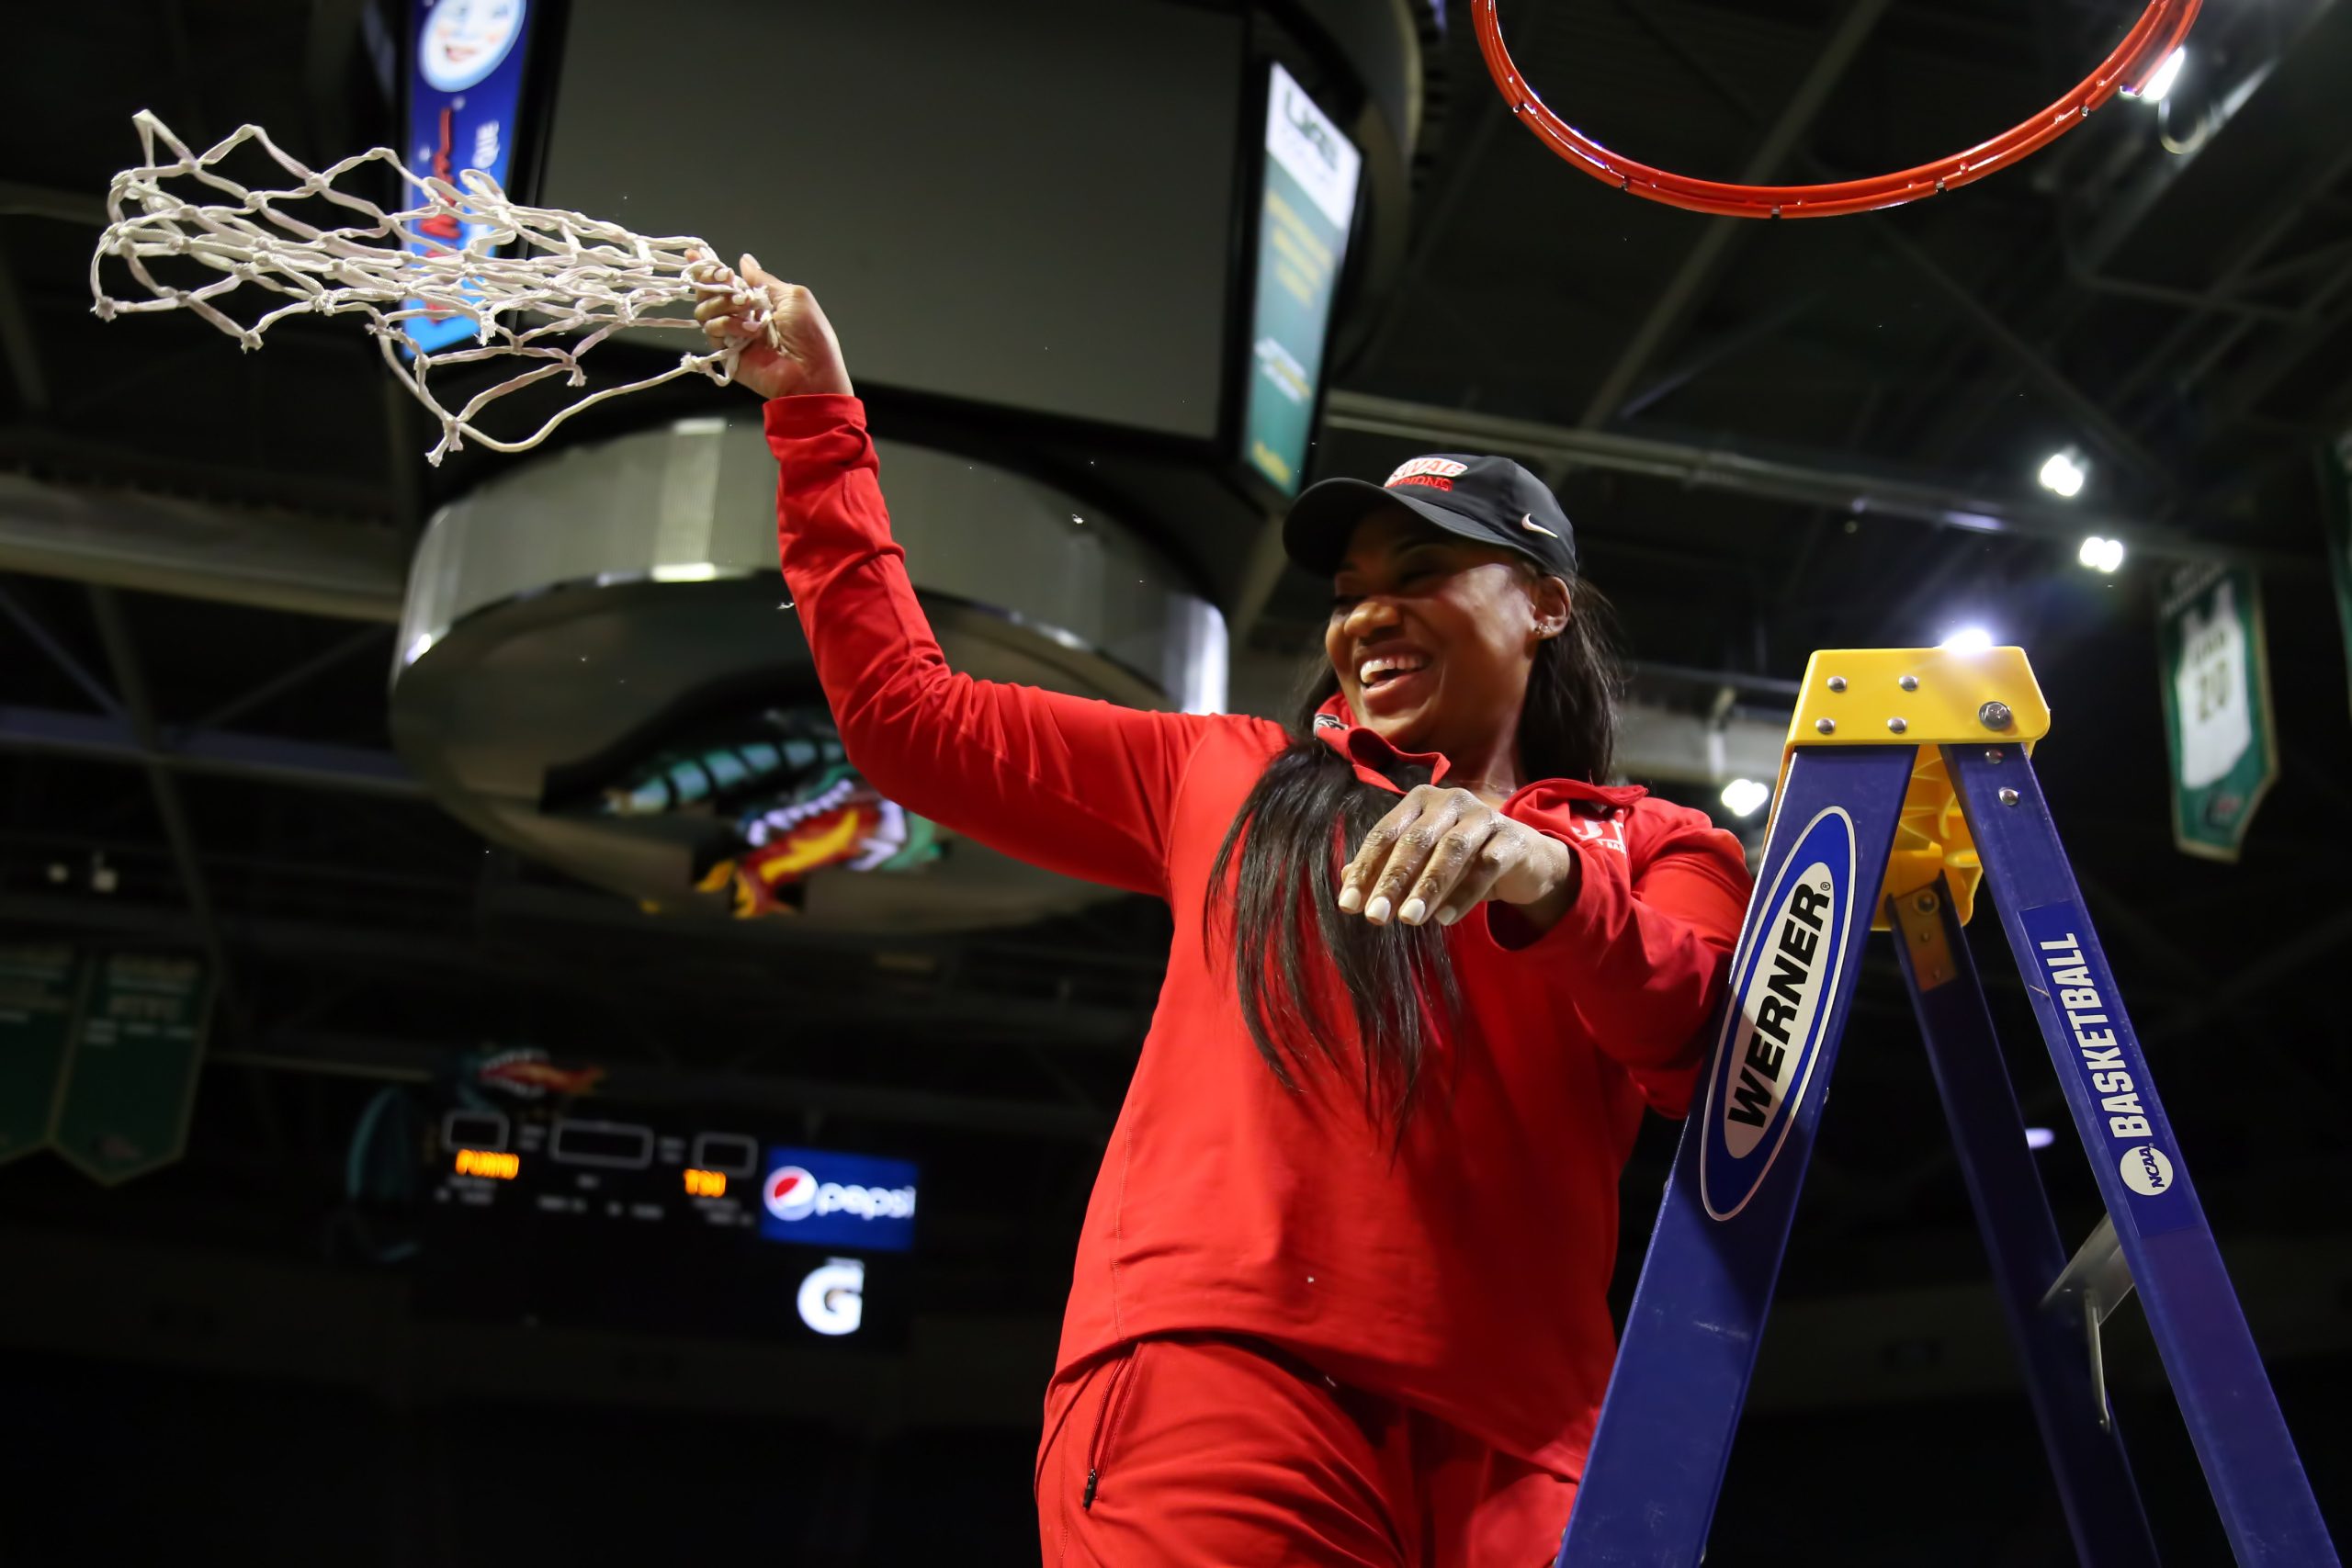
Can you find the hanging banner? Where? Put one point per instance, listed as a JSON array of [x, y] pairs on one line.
[[131, 1066], [465, 90], [2335, 511], [1309, 205], [2216, 683], [38, 987]]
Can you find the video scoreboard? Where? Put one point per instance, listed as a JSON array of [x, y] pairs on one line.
[[604, 1219]]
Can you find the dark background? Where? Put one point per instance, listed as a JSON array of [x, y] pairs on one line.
[[227, 1355]]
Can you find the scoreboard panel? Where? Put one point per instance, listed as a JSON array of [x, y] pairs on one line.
[[599, 1218]]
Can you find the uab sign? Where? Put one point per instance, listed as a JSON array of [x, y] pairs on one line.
[[2216, 686], [1309, 201]]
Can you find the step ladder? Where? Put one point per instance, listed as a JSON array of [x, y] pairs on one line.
[[1908, 780]]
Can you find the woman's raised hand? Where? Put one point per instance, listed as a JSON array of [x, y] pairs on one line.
[[788, 346], [1443, 851]]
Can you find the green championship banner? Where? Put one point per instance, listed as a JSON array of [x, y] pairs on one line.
[[2216, 683], [131, 1062], [1310, 197], [39, 982], [2335, 510]]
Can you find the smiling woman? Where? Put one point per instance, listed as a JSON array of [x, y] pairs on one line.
[[1479, 601], [1341, 1292], [1461, 637], [1474, 553]]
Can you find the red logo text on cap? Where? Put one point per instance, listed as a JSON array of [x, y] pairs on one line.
[[1438, 473]]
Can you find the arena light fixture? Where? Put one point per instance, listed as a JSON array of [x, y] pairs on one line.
[[2039, 1137], [2064, 473], [2160, 84], [1968, 640], [2101, 555], [1745, 798]]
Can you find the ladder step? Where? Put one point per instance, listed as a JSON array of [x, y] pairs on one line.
[[2097, 1274], [2091, 1286]]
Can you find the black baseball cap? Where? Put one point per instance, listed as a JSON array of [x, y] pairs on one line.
[[1491, 500]]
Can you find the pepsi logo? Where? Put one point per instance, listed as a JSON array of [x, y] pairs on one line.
[[790, 1193]]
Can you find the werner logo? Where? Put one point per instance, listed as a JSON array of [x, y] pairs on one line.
[[1783, 978], [827, 1199]]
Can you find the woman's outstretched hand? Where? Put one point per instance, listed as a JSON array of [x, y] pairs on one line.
[[1441, 853], [793, 351]]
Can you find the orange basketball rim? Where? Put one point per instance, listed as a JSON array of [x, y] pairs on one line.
[[2159, 31]]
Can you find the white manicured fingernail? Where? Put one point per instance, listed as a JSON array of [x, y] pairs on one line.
[[1377, 910], [1414, 912], [1350, 900], [1447, 916]]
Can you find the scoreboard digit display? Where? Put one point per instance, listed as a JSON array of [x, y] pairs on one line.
[[607, 1220]]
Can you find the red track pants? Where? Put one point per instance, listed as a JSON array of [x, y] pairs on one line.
[[1204, 1451]]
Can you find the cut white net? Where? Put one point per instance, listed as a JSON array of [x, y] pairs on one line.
[[567, 283]]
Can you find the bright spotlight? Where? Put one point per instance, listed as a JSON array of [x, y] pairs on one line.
[[2039, 1137], [2064, 473], [2101, 555], [2153, 89], [1744, 797], [1969, 640]]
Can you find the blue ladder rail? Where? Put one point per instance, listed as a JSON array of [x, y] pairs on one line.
[[1656, 1468], [2265, 1499]]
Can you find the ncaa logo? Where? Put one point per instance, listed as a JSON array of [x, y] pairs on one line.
[[2145, 1171], [790, 1193]]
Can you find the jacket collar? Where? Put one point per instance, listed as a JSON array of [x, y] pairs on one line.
[[1335, 724]]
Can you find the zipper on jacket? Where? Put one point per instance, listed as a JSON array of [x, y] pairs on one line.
[[1106, 1424]]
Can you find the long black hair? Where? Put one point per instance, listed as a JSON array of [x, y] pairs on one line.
[[1305, 818]]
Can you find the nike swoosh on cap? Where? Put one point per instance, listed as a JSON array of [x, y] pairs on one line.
[[1527, 520]]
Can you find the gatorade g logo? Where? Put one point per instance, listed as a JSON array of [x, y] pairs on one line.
[[833, 1299], [791, 1193], [1782, 979]]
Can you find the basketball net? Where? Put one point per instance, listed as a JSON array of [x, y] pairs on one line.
[[566, 284]]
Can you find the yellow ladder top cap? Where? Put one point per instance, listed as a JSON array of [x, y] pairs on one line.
[[1926, 698]]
